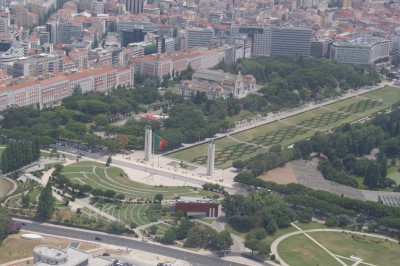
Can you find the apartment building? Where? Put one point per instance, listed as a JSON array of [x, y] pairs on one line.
[[51, 90]]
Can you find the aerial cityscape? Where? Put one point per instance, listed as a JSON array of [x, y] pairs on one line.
[[199, 132]]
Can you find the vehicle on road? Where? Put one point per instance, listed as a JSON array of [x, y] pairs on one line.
[[97, 238]]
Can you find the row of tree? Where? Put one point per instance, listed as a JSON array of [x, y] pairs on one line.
[[19, 154]]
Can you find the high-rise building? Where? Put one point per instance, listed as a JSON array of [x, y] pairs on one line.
[[361, 50], [290, 41], [346, 4], [135, 6], [198, 37]]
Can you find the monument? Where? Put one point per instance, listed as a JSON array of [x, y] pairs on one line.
[[210, 158], [148, 143]]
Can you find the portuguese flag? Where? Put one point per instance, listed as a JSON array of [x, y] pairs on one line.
[[159, 143]]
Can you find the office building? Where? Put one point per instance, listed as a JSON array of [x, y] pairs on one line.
[[290, 41], [320, 48], [360, 50], [135, 6], [198, 37]]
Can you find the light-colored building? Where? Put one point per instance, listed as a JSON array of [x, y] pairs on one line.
[[46, 255], [52, 89], [361, 50], [217, 84], [198, 37]]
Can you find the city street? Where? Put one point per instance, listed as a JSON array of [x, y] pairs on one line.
[[193, 258]]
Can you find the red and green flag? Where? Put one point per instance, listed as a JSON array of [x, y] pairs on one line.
[[159, 143]]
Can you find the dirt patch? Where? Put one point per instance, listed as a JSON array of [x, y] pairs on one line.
[[282, 175], [14, 247]]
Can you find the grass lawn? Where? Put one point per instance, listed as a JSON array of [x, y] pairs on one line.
[[394, 174], [389, 95], [301, 251], [311, 225], [259, 131], [14, 248], [370, 249], [128, 213], [234, 231], [34, 195], [297, 119], [269, 239], [98, 176], [226, 151], [345, 111]]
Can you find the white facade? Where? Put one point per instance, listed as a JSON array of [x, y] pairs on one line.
[[360, 51]]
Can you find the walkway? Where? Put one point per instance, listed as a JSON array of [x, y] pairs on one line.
[[275, 244], [244, 142]]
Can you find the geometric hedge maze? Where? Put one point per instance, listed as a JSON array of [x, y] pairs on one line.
[[323, 120], [360, 106], [236, 151], [230, 153]]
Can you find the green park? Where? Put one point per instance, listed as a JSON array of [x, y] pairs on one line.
[[289, 130], [345, 246]]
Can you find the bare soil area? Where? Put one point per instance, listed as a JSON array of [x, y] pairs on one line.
[[282, 175]]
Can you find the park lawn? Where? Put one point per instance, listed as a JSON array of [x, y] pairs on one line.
[[389, 95], [297, 119], [79, 167], [280, 232], [301, 251], [250, 134], [231, 230], [346, 102], [394, 174], [370, 249], [44, 154], [223, 158], [122, 184], [34, 195], [311, 225], [14, 247], [162, 228]]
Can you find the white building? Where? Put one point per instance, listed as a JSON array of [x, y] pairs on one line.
[[217, 84], [361, 50]]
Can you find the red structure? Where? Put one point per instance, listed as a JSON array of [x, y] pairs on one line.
[[196, 209]]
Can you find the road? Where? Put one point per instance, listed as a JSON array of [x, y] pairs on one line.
[[194, 258]]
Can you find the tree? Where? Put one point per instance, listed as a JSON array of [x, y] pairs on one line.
[[77, 90], [239, 164], [5, 220], [122, 140], [45, 207], [120, 197], [223, 241], [158, 197], [109, 193], [25, 201], [305, 215], [331, 221], [169, 237], [252, 244], [116, 227], [152, 229], [183, 229], [109, 160]]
